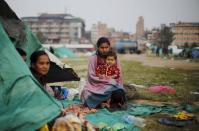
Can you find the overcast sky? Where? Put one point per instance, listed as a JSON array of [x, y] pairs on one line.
[[120, 14]]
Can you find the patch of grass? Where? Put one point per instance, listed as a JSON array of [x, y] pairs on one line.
[[183, 81]]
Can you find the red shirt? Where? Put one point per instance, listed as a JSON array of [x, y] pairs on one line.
[[107, 70]]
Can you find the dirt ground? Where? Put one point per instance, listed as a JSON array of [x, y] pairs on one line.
[[162, 62]]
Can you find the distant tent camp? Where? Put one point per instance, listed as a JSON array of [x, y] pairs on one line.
[[24, 104], [63, 52]]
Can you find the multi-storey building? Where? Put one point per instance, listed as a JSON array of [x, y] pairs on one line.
[[140, 28], [185, 33], [99, 30], [57, 28]]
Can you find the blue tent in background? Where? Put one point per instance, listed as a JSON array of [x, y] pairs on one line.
[[195, 52]]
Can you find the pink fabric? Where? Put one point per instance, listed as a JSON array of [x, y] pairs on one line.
[[94, 83], [162, 89]]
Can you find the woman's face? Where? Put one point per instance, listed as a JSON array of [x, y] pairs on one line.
[[42, 65], [104, 48]]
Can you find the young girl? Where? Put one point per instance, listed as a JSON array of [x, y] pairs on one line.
[[109, 69]]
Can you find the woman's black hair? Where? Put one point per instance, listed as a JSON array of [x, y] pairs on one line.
[[34, 57], [102, 40]]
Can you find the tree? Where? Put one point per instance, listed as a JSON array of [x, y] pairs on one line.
[[186, 45], [194, 44], [41, 37], [166, 37]]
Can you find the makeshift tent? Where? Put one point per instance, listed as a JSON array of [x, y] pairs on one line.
[[58, 71], [25, 105], [58, 74], [195, 52], [63, 52]]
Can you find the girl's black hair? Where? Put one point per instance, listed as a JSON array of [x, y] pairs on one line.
[[34, 57], [112, 53]]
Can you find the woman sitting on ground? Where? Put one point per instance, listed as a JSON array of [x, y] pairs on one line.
[[100, 90]]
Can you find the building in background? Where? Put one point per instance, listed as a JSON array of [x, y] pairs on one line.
[[185, 33], [99, 30], [57, 28], [140, 28]]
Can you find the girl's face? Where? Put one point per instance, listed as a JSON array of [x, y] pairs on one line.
[[110, 60], [104, 48], [42, 65]]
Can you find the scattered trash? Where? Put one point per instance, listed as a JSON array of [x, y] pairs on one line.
[[162, 89], [72, 93], [184, 116], [195, 93], [180, 119], [140, 122], [137, 86]]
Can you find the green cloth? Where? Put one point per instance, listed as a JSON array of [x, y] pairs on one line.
[[109, 121], [24, 104], [67, 103], [145, 110], [114, 120], [190, 108]]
